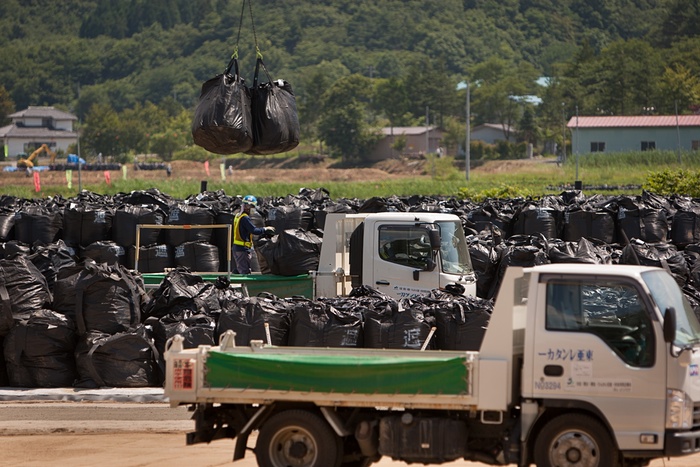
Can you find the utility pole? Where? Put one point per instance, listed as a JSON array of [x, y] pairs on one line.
[[563, 133], [467, 142]]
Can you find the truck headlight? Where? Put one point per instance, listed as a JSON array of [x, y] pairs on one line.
[[679, 409]]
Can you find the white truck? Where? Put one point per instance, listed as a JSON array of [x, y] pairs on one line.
[[401, 254], [581, 365]]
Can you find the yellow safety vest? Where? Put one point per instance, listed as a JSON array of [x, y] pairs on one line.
[[237, 239]]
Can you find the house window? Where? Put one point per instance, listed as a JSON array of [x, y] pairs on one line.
[[695, 145], [597, 146], [648, 145]]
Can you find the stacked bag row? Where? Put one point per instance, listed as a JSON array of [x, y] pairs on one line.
[[97, 327]]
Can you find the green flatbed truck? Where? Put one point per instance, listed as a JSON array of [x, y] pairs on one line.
[[581, 365], [401, 254]]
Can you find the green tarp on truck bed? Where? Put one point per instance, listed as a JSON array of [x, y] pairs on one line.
[[364, 374], [281, 286]]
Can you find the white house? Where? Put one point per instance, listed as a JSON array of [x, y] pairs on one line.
[[34, 126], [634, 133]]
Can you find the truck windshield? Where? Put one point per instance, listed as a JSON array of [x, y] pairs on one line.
[[666, 293], [453, 249]]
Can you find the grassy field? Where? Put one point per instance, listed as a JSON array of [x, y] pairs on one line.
[[621, 173]]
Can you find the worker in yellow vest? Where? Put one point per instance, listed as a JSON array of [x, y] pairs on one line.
[[243, 231]]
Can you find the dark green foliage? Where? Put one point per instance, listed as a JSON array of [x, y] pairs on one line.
[[603, 57]]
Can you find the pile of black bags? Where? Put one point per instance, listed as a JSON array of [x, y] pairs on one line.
[[74, 310]]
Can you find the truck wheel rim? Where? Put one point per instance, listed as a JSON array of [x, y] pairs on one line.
[[574, 449], [293, 446]]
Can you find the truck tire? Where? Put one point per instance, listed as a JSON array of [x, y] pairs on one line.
[[297, 438], [575, 440]]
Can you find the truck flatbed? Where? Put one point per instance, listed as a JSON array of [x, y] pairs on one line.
[[259, 374]]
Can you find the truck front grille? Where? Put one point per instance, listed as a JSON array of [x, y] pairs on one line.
[[696, 415]]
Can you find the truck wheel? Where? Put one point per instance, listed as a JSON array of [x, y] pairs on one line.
[[575, 440], [297, 438]]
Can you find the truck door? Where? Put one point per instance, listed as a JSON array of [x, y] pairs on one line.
[[404, 265], [596, 345]]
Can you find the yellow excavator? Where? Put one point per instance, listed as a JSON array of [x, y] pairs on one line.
[[28, 163]]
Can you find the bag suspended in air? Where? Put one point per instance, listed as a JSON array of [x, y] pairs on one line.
[[222, 121], [275, 121]]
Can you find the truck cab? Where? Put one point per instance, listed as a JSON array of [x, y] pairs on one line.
[[398, 253], [608, 349]]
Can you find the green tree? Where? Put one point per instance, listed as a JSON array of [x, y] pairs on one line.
[[627, 75], [101, 133], [174, 136], [345, 124], [499, 85], [6, 106], [679, 90]]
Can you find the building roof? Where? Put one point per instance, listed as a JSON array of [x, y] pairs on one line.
[[43, 112], [634, 121], [407, 130], [493, 126], [12, 131]]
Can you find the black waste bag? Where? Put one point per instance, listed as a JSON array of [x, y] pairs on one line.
[[397, 326], [461, 322], [182, 290], [220, 238], [685, 227], [152, 258], [4, 379], [189, 214], [38, 223], [7, 224], [50, 259], [274, 115], [197, 256], [295, 252], [663, 255], [195, 328], [23, 289], [105, 251], [319, 324], [484, 257], [86, 224], [99, 297], [123, 360], [518, 250], [534, 219], [256, 318], [222, 121], [12, 248], [580, 223], [128, 216], [637, 220], [289, 217], [583, 251], [151, 196], [39, 351]]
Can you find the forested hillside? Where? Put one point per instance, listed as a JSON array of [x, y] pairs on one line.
[[354, 64]]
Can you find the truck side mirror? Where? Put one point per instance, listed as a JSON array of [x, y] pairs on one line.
[[670, 325], [434, 238]]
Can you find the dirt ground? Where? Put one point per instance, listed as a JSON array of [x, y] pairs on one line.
[[261, 169], [113, 434], [252, 169]]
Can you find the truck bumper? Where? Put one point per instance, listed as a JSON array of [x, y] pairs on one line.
[[680, 443]]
